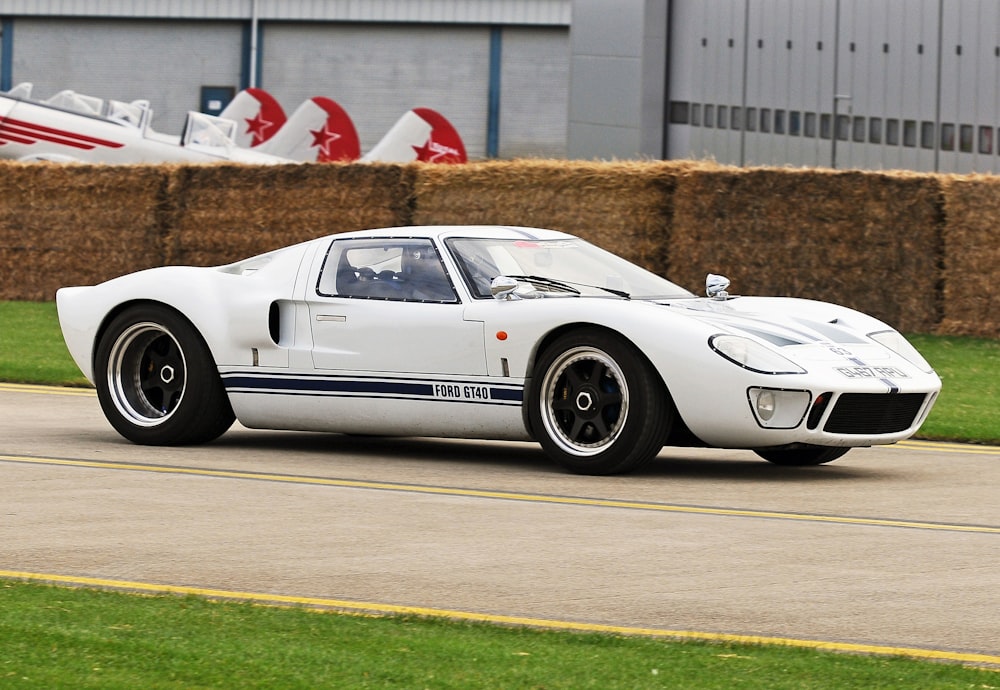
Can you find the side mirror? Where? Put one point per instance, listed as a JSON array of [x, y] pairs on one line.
[[503, 287], [715, 286]]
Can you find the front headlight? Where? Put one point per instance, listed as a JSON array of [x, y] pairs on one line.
[[751, 355], [901, 346]]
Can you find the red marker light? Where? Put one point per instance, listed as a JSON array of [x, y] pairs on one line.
[[501, 335]]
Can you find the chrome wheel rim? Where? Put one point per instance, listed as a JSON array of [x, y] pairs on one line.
[[584, 401], [147, 374]]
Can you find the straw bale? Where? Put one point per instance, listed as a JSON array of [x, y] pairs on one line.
[[972, 256], [624, 207], [870, 241], [75, 224], [223, 213]]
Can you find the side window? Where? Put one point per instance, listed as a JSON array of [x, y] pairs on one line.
[[386, 269]]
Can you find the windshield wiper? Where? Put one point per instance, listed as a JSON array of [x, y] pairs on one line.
[[568, 285]]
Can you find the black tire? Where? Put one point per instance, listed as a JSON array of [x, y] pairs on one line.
[[157, 381], [801, 457], [596, 404]]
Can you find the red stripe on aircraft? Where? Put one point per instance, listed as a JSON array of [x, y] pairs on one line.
[[9, 126]]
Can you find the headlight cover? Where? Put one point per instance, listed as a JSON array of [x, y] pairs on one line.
[[751, 355], [894, 341], [779, 408]]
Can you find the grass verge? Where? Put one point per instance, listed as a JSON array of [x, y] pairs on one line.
[[55, 637]]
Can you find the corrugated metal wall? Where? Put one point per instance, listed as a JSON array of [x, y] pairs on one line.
[[375, 70], [873, 84], [534, 12], [165, 62]]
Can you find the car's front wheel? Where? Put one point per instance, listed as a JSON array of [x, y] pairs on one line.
[[596, 405], [801, 457], [157, 381]]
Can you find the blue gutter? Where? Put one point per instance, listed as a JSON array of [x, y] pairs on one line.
[[247, 56], [493, 103], [6, 54]]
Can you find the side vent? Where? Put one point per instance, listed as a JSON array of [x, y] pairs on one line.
[[274, 322]]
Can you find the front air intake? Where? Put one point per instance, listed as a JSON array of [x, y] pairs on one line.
[[874, 413]]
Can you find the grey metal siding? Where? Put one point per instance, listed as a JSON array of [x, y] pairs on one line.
[[377, 72], [534, 92], [531, 12], [165, 62]]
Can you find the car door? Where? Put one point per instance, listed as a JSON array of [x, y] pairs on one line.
[[388, 305]]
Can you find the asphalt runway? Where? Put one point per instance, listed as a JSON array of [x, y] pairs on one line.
[[894, 548]]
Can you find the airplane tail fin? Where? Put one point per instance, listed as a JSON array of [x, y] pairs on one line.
[[258, 115], [421, 134], [319, 130]]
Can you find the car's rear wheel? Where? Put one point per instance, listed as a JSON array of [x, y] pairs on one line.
[[801, 457], [157, 381], [596, 405]]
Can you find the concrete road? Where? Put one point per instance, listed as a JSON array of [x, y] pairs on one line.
[[887, 547]]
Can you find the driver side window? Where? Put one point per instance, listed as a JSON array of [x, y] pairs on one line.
[[385, 269]]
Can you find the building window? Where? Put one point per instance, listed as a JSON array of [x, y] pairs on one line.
[[736, 118], [909, 133], [965, 137], [696, 114], [751, 120], [926, 135], [892, 132], [843, 127], [779, 121], [810, 125], [986, 140], [825, 126], [765, 120], [948, 137], [709, 115], [794, 123], [679, 113], [723, 116], [874, 130], [858, 129]]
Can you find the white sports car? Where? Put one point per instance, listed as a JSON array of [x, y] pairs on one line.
[[491, 333]]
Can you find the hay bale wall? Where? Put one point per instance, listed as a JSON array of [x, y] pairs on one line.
[[71, 225], [227, 212], [870, 241], [972, 256], [919, 251]]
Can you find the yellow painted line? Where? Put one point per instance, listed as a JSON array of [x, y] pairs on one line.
[[506, 495], [944, 447], [46, 390], [367, 607]]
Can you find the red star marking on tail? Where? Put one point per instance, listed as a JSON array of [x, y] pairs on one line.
[[324, 138], [433, 152], [257, 126]]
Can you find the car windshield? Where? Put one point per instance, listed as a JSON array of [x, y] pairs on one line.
[[579, 266]]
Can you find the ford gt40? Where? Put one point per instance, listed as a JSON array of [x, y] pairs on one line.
[[489, 332]]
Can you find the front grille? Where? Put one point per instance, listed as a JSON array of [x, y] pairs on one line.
[[874, 413]]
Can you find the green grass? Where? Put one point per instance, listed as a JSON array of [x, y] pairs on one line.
[[53, 637], [32, 348], [32, 351], [969, 406]]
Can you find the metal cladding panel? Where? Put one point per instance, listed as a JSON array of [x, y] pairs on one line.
[[534, 92], [532, 12], [378, 72], [164, 62]]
